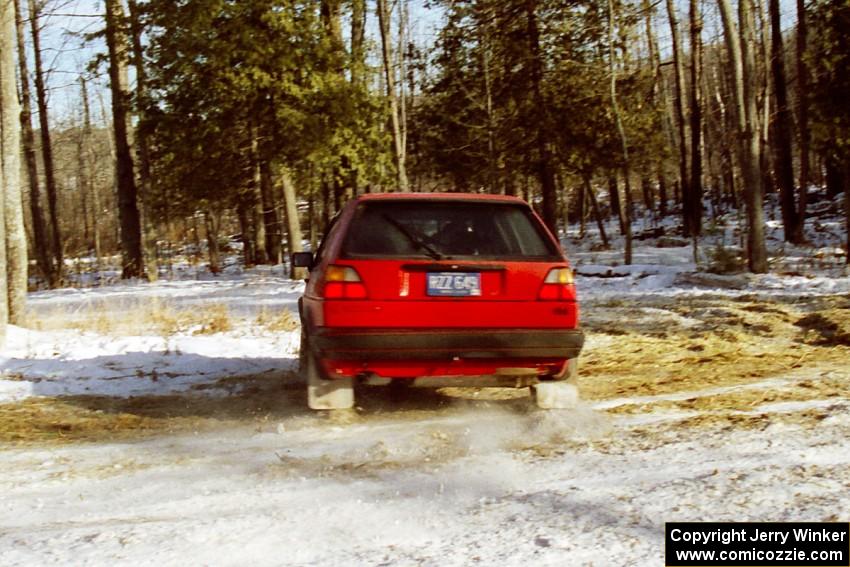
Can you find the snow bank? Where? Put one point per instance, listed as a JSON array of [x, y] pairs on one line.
[[70, 362], [62, 363]]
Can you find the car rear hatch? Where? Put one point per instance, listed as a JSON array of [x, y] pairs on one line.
[[452, 264]]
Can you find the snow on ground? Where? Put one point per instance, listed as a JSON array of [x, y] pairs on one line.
[[63, 363], [458, 488], [243, 293], [73, 362], [436, 481]]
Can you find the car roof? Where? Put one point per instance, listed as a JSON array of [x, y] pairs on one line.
[[468, 197]]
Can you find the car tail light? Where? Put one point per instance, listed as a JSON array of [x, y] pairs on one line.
[[343, 282], [559, 285]]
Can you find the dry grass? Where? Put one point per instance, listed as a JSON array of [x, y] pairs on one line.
[[153, 316], [279, 320], [823, 386], [98, 418], [734, 343], [40, 420], [158, 317], [216, 319]]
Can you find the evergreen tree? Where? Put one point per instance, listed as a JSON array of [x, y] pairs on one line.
[[829, 61]]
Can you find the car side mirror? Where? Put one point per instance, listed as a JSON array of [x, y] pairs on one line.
[[303, 260], [300, 261]]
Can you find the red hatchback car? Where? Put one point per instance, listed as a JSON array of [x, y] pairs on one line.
[[436, 289]]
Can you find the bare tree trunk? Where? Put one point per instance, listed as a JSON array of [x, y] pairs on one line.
[[261, 255], [652, 48], [679, 101], [4, 284], [588, 187], [331, 20], [15, 241], [345, 176], [402, 73], [389, 78], [758, 250], [544, 165], [614, 198], [760, 27], [725, 123], [714, 136], [492, 161], [82, 186], [782, 158], [739, 45], [293, 224], [834, 176], [803, 118], [133, 265], [580, 206], [313, 223], [256, 214], [358, 66], [327, 204], [847, 210], [212, 224], [646, 190], [46, 143], [244, 212], [90, 162], [624, 143], [142, 147], [270, 220], [358, 37], [693, 215], [41, 246], [667, 126], [662, 191]]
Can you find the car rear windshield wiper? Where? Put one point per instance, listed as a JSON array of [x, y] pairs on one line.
[[416, 240]]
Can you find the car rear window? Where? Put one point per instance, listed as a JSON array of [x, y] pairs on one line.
[[446, 230]]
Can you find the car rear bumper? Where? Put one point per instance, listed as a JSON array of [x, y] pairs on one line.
[[445, 344]]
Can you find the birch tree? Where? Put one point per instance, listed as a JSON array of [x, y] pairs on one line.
[[399, 150], [358, 40], [679, 100], [13, 259], [739, 44], [41, 245]]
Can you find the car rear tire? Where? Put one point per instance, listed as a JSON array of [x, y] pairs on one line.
[[323, 393]]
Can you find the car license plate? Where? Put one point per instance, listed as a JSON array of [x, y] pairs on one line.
[[454, 284]]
